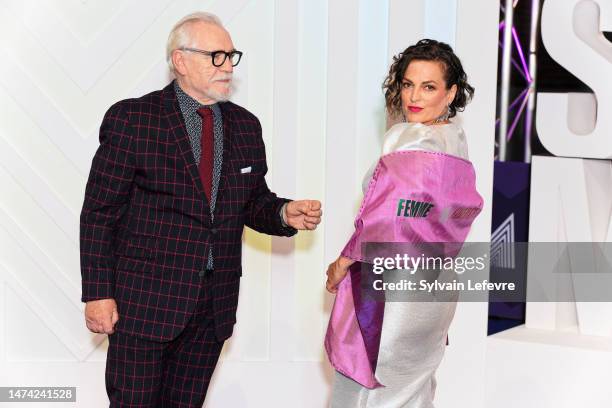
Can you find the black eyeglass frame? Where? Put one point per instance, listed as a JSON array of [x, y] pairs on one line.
[[213, 55]]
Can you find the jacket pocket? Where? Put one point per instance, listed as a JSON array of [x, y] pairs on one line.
[[139, 246]]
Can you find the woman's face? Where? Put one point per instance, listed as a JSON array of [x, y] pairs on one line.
[[424, 94]]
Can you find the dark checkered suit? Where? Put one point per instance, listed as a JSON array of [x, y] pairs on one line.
[[146, 225]]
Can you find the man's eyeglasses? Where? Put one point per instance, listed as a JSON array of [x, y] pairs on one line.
[[218, 57]]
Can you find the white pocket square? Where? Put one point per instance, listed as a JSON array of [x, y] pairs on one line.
[[245, 170]]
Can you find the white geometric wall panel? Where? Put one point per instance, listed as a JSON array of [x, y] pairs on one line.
[[571, 201], [534, 368], [311, 72], [562, 356]]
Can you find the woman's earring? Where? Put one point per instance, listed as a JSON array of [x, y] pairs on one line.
[[444, 117]]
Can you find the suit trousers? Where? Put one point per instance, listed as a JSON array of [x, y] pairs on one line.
[[145, 373]]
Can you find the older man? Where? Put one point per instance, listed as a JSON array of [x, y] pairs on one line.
[[178, 174]]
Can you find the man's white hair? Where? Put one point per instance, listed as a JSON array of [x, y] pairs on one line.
[[179, 35]]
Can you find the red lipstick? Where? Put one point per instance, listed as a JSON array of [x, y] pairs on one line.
[[414, 109]]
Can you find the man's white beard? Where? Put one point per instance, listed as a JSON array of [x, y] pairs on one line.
[[222, 97]]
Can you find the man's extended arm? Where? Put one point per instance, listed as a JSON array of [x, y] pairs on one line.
[[267, 213], [263, 211]]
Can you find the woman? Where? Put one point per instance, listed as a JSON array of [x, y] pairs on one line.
[[386, 354]]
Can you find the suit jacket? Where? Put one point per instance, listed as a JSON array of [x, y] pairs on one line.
[[145, 226]]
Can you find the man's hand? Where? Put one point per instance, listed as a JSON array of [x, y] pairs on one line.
[[303, 214], [336, 271], [101, 315]]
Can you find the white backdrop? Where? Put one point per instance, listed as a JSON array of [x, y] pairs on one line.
[[311, 72]]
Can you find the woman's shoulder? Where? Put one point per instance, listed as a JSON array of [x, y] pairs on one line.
[[394, 131], [447, 138], [398, 134], [455, 142], [404, 129], [450, 128]]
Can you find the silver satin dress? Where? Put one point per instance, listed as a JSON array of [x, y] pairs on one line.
[[414, 329]]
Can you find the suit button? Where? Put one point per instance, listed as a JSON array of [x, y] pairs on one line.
[[202, 273], [213, 231]]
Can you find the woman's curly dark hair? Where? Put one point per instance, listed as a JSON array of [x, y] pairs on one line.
[[427, 50]]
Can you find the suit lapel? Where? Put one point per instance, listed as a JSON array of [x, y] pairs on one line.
[[181, 138]]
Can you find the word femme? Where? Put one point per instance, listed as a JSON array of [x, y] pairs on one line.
[[411, 208]]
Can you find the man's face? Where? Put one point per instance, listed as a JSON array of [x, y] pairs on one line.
[[197, 75]]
